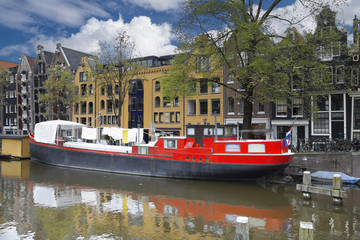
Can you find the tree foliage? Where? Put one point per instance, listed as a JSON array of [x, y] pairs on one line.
[[236, 36], [59, 94], [115, 68]]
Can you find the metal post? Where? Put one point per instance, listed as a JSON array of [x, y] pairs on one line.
[[242, 228], [306, 231], [216, 132]]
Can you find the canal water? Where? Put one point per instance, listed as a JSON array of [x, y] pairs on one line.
[[45, 202]]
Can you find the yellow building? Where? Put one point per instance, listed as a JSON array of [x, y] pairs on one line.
[[144, 106]]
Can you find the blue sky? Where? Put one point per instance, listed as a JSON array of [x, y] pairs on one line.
[[82, 24]]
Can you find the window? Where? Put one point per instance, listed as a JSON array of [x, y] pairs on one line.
[[109, 104], [203, 64], [89, 121], [261, 106], [117, 90], [91, 89], [232, 148], [191, 131], [357, 114], [83, 107], [340, 74], [322, 103], [241, 107], [321, 123], [157, 86], [215, 86], [172, 117], [256, 148], [82, 77], [156, 117], [166, 102], [167, 117], [215, 106], [230, 78], [161, 117], [140, 104], [203, 107], [91, 107], [203, 86], [337, 102], [102, 104], [230, 105], [297, 107], [157, 102], [102, 91], [281, 108], [170, 143], [76, 90], [177, 117], [243, 59], [176, 102], [83, 89], [355, 76], [133, 104], [191, 107]]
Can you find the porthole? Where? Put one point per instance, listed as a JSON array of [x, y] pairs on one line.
[[193, 158], [207, 159], [187, 158], [200, 159]]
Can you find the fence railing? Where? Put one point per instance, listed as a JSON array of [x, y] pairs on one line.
[[326, 145]]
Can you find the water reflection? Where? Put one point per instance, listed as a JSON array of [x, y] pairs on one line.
[[58, 203]]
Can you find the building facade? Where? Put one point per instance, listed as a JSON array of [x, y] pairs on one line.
[[24, 81]]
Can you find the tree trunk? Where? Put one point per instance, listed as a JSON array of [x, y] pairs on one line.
[[248, 109]]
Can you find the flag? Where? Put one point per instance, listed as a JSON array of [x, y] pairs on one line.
[[287, 138]]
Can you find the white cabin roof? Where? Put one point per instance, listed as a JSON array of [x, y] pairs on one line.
[[45, 132]]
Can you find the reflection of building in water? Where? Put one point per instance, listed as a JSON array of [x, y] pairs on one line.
[[55, 197], [62, 211]]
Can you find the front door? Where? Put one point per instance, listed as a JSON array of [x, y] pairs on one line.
[[199, 135]]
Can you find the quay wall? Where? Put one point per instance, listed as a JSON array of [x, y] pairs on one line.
[[346, 162]]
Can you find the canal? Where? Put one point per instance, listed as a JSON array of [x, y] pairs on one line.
[[45, 202]]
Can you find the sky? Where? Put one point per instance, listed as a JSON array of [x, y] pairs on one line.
[[82, 24]]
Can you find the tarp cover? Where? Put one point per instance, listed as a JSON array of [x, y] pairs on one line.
[[325, 175], [45, 132]]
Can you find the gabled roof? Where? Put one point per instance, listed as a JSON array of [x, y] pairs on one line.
[[31, 61], [7, 65], [48, 57], [74, 57]]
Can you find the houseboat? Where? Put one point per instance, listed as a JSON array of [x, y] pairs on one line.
[[214, 156]]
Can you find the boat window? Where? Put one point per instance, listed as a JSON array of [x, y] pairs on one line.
[[220, 131], [170, 143], [191, 131], [256, 148], [143, 150], [232, 148]]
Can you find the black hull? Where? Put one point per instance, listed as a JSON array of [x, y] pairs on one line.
[[147, 165]]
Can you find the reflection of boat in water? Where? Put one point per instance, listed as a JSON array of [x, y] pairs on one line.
[[217, 202], [62, 143]]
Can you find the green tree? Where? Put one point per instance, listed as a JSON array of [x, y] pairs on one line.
[[235, 35], [59, 94], [115, 68]]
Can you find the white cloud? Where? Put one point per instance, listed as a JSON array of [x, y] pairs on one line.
[[158, 5], [149, 38], [20, 15]]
